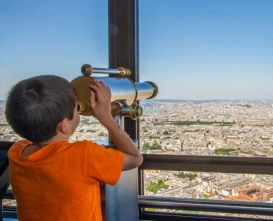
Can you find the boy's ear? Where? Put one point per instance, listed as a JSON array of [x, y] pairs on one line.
[[62, 126]]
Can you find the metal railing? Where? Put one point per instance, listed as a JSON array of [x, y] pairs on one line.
[[216, 164], [222, 206]]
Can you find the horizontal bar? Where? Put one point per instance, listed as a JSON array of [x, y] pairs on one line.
[[9, 212], [218, 164], [206, 201], [206, 205], [8, 194], [5, 146], [159, 216], [106, 71], [88, 70]]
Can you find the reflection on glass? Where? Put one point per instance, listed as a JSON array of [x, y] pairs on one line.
[[211, 61]]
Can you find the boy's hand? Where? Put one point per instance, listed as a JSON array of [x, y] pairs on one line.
[[100, 101]]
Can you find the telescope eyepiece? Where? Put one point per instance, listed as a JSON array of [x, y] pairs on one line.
[[84, 107]]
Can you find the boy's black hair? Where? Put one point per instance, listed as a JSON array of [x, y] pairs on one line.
[[36, 105]]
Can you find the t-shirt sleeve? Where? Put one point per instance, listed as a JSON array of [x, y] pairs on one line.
[[104, 164]]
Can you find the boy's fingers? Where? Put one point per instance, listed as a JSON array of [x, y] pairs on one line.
[[94, 87], [100, 89], [98, 93], [103, 85], [98, 83], [92, 100], [105, 89], [97, 90], [109, 91]]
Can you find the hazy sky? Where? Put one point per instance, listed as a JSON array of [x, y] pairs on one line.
[[192, 49]]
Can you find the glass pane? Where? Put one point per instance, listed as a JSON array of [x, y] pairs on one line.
[[215, 186], [207, 128], [49, 37], [212, 63], [203, 185], [191, 212]]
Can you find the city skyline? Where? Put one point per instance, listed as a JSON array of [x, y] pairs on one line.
[[193, 50]]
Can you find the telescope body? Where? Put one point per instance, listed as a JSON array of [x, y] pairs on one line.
[[122, 89], [124, 93]]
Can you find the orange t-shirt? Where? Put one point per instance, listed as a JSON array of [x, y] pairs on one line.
[[60, 182]]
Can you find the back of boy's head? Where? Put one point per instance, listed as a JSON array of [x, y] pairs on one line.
[[36, 105]]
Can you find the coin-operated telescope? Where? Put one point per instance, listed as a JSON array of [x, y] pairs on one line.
[[124, 91], [124, 96]]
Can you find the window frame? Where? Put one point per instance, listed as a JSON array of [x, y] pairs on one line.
[[124, 50]]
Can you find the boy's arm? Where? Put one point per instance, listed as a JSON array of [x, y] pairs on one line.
[[132, 156], [100, 100]]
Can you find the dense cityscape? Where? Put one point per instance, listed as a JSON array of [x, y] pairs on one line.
[[227, 128]]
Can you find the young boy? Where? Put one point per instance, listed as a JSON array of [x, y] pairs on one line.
[[52, 179]]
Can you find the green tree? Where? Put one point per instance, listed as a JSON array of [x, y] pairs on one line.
[[190, 176], [223, 151], [154, 146], [165, 133], [154, 187]]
